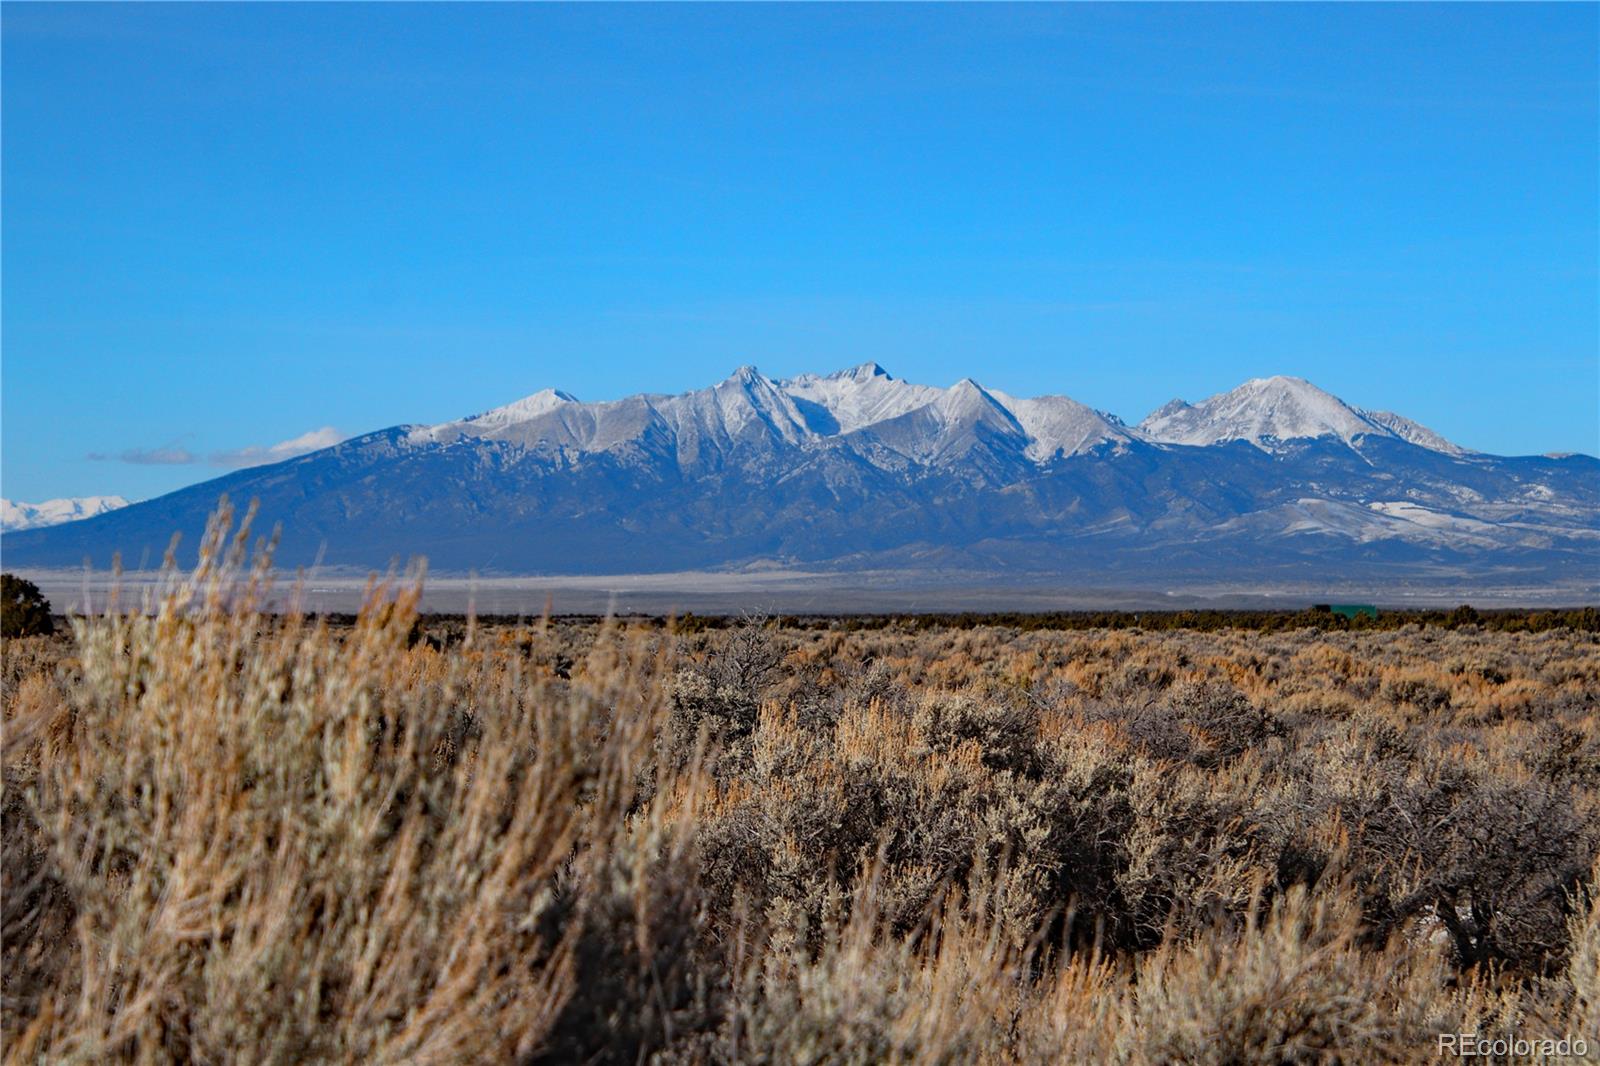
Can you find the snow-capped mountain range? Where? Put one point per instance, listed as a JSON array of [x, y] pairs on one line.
[[863, 406], [858, 470], [16, 515], [922, 422]]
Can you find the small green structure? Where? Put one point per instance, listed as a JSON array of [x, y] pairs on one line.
[[1354, 610]]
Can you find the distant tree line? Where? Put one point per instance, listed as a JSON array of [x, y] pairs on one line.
[[1499, 620], [1581, 619]]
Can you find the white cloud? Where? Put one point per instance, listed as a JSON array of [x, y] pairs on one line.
[[256, 454], [169, 455]]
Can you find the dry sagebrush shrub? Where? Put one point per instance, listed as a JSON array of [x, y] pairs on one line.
[[280, 846], [233, 837]]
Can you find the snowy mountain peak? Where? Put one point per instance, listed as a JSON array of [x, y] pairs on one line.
[[495, 421], [15, 515], [1266, 412], [967, 401], [1058, 427], [528, 407], [1281, 390], [748, 401], [849, 400], [865, 372], [1167, 410]]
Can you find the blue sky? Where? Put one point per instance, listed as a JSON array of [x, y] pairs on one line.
[[228, 226]]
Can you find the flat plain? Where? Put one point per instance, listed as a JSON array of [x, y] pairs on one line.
[[782, 590]]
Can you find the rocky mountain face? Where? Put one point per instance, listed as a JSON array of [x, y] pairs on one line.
[[1276, 480]]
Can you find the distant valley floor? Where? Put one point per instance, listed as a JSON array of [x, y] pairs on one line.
[[821, 592]]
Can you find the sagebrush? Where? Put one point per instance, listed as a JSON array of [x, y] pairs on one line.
[[239, 837]]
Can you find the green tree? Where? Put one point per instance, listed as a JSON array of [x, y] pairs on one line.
[[24, 612]]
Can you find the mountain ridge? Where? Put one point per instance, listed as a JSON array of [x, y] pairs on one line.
[[1262, 411], [858, 469], [15, 515]]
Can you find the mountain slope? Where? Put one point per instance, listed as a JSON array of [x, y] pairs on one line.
[[858, 470], [1413, 432]]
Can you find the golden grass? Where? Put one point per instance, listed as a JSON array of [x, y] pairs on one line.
[[238, 838]]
